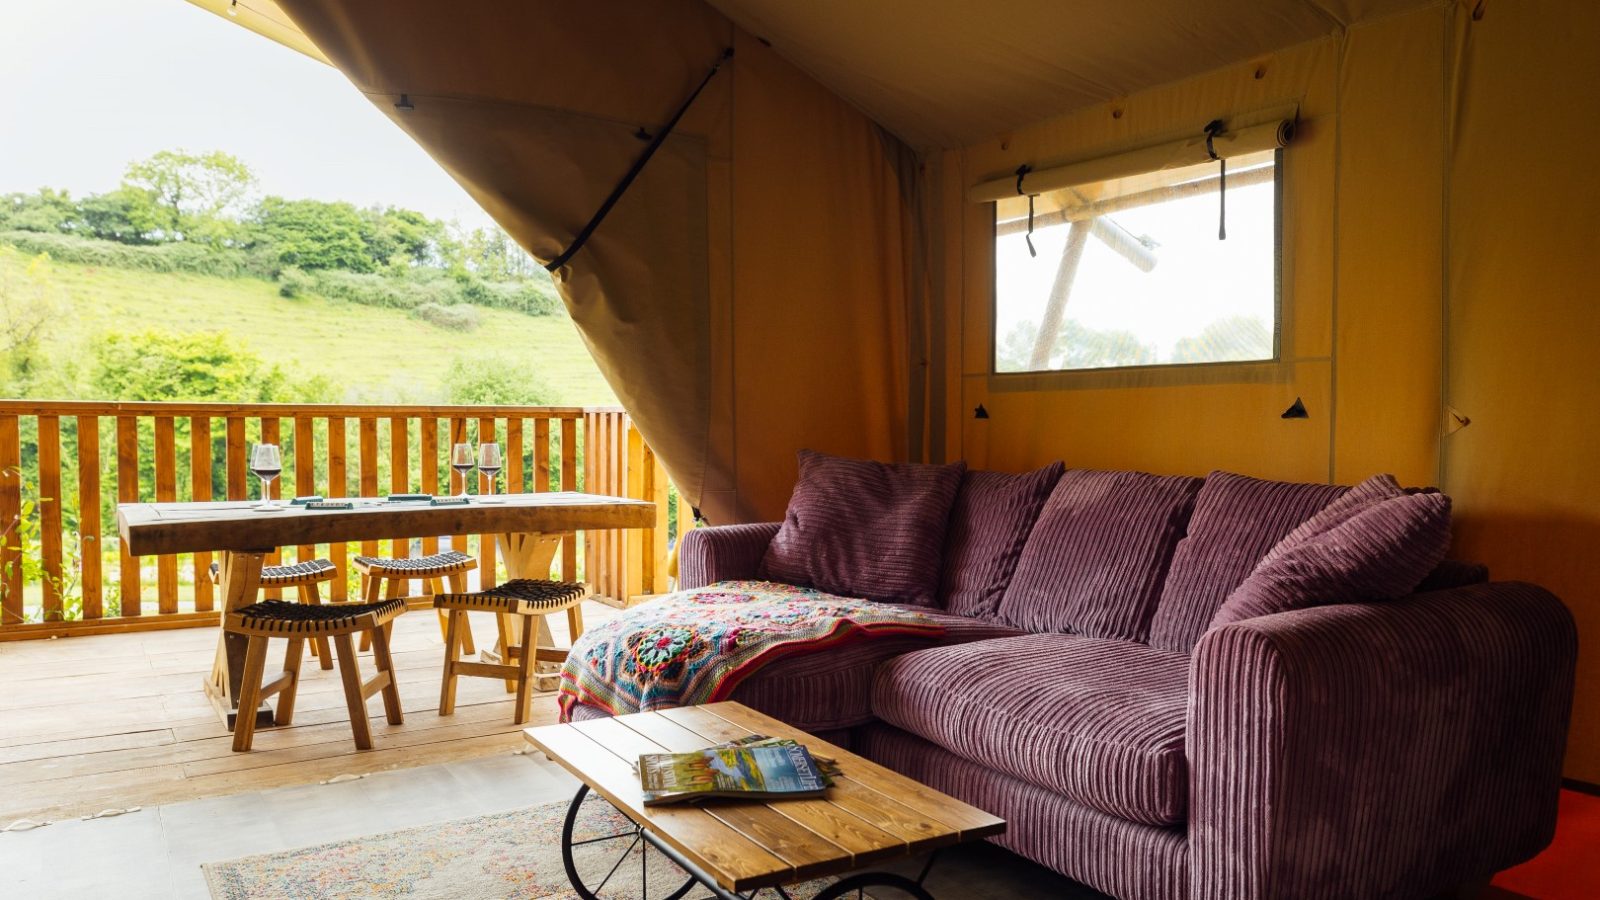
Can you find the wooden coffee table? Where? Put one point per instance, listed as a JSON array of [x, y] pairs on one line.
[[734, 849]]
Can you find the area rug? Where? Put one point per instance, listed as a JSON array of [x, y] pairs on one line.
[[513, 855]]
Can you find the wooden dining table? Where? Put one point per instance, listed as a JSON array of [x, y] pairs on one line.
[[528, 529]]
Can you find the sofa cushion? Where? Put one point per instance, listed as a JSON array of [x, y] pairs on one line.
[[831, 687], [859, 528], [1098, 721], [1381, 553], [1350, 504], [1095, 560], [1236, 520], [993, 513]]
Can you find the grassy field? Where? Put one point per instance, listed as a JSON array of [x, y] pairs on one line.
[[377, 355]]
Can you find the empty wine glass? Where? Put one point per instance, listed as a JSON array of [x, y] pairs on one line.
[[461, 460], [267, 464], [489, 463]]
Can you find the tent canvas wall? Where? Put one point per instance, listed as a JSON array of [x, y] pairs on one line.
[[803, 266]]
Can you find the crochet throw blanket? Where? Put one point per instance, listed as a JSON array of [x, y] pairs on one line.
[[696, 646]]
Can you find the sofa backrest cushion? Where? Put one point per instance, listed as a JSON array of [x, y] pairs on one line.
[[1095, 560], [859, 528], [1236, 520], [1380, 553], [993, 513]]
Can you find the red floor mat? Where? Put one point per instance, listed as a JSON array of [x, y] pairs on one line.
[[1570, 868]]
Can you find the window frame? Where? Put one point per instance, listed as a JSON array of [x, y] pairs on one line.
[[1168, 373]]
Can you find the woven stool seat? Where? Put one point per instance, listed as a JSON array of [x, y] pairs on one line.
[[313, 572], [521, 596], [283, 617], [449, 562]]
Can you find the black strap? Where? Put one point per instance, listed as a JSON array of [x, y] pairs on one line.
[[633, 172], [1214, 128], [1022, 171]]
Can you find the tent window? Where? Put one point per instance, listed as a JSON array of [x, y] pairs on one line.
[[1130, 271]]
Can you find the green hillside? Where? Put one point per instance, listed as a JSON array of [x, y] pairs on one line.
[[373, 354]]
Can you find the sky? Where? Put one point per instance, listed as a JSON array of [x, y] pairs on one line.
[[91, 85]]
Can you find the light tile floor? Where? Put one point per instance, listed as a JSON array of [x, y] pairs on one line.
[[156, 853]]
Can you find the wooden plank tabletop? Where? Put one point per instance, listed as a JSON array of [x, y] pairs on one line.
[[149, 528], [870, 814]]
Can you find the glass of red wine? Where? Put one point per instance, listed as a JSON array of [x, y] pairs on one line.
[[489, 463], [462, 461], [267, 464]]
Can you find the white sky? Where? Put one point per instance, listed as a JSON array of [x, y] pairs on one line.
[[1197, 278], [87, 86]]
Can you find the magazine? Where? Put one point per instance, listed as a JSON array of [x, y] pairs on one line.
[[754, 768]]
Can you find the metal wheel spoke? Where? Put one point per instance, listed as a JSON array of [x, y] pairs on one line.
[[617, 865], [609, 837]]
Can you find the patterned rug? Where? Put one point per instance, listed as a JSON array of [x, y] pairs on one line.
[[513, 855]]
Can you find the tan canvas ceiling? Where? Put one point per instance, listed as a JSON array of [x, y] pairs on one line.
[[946, 73]]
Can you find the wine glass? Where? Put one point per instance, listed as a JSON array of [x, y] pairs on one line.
[[461, 460], [489, 463], [267, 464]]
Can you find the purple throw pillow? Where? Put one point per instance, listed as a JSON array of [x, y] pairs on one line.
[[993, 514], [1236, 520], [1095, 561], [1379, 553], [865, 529], [1354, 502]]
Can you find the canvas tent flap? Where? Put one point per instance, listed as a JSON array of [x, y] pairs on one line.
[[540, 139]]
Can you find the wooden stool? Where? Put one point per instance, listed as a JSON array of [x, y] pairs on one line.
[[305, 576], [299, 623], [524, 597], [384, 579]]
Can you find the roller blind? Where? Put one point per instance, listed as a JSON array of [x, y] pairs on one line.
[[1269, 135]]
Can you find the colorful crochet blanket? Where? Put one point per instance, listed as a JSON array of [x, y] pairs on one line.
[[696, 646]]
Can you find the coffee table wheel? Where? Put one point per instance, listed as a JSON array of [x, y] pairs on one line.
[[608, 853], [883, 885]]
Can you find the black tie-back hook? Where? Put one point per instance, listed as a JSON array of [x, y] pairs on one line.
[[1022, 171], [1214, 128]]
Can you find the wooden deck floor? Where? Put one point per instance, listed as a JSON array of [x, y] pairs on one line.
[[90, 723]]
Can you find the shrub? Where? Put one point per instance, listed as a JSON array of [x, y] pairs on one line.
[[294, 283], [493, 380], [450, 318], [179, 256]]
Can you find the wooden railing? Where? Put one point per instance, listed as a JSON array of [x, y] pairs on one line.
[[65, 465]]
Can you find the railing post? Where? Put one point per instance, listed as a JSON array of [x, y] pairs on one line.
[[200, 491], [128, 492], [166, 484], [338, 486], [89, 552], [50, 500]]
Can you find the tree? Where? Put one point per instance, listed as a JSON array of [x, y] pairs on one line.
[[191, 196], [492, 380], [313, 234], [1232, 338], [400, 235], [45, 210], [29, 305], [1077, 347]]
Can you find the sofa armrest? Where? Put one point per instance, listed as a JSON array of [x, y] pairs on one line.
[[723, 553], [1382, 750]]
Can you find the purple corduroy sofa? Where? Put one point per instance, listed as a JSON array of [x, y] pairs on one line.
[[1393, 749]]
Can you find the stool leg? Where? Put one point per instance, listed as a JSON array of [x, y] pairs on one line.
[[319, 646], [524, 674], [255, 661], [371, 587], [452, 653], [507, 645], [458, 585], [291, 664], [350, 674], [391, 690]]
